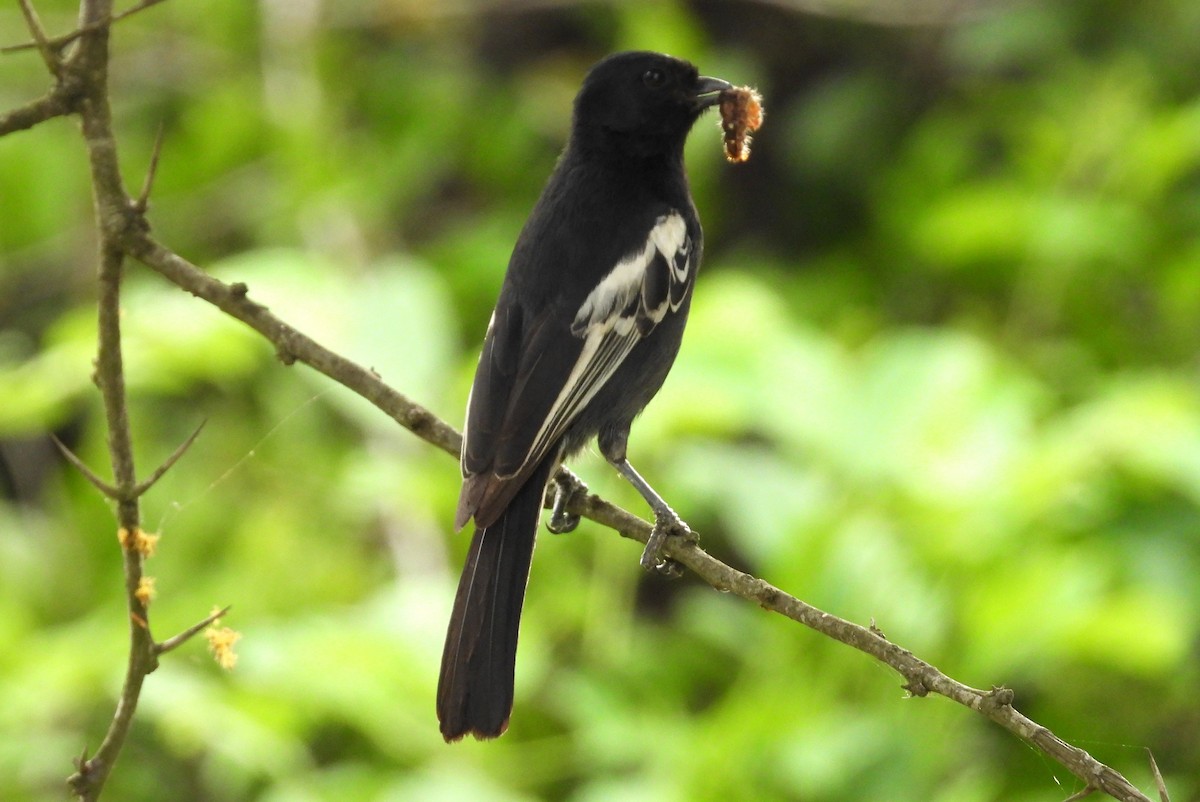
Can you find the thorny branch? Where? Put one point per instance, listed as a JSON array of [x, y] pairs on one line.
[[81, 87], [59, 42], [921, 678]]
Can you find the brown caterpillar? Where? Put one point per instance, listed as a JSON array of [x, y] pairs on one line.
[[741, 113]]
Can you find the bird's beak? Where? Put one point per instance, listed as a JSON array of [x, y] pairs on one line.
[[708, 91]]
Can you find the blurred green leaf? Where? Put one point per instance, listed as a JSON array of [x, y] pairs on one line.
[[940, 373]]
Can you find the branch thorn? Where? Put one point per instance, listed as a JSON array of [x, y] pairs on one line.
[[143, 199], [176, 641], [101, 485], [141, 487], [1158, 778], [39, 38]]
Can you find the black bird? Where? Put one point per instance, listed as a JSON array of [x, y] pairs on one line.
[[588, 322]]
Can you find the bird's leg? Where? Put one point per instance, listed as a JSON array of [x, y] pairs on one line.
[[566, 485], [612, 443], [666, 522]]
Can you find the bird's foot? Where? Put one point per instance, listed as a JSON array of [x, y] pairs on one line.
[[566, 486], [666, 524]]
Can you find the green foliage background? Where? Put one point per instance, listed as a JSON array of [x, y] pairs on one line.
[[942, 373]]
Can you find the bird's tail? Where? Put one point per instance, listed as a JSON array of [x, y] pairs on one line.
[[475, 689]]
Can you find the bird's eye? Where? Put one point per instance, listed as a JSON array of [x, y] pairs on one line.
[[654, 78]]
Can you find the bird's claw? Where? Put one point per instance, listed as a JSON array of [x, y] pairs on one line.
[[561, 521], [566, 485], [666, 524]]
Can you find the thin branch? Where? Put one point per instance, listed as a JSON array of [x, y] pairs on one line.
[[921, 678], [49, 56], [60, 100], [290, 344], [22, 118], [191, 632], [79, 465], [110, 200], [141, 487], [59, 42]]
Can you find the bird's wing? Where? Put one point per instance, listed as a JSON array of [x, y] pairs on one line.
[[535, 376]]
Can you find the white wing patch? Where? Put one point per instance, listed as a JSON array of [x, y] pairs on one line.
[[607, 305], [623, 308]]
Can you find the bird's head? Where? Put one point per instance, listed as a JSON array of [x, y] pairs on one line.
[[642, 100]]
